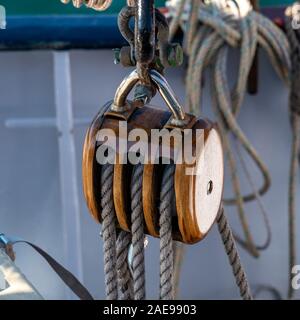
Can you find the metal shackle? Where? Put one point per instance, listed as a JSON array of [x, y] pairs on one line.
[[119, 103]]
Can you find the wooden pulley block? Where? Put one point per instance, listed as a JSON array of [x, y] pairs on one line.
[[192, 145]]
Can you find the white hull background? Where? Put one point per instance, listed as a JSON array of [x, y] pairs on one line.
[[31, 190]]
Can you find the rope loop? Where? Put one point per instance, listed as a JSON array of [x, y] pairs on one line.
[[219, 26]]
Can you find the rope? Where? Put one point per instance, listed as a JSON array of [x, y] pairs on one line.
[[137, 230], [222, 24], [192, 24], [99, 5], [233, 256], [165, 232], [292, 13], [263, 211], [249, 242], [124, 275], [109, 232], [174, 24], [271, 290]]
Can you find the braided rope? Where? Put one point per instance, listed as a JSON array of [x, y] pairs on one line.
[[137, 230], [165, 233], [124, 275], [292, 12], [233, 256], [109, 232]]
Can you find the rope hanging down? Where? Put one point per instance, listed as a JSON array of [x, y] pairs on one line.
[[109, 233], [118, 252], [218, 26], [124, 275], [292, 14], [137, 231], [233, 256], [165, 233]]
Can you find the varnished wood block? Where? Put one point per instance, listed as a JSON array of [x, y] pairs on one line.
[[90, 167], [198, 186], [199, 193]]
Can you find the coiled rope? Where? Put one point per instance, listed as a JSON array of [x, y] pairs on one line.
[[222, 24], [99, 5], [292, 15]]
